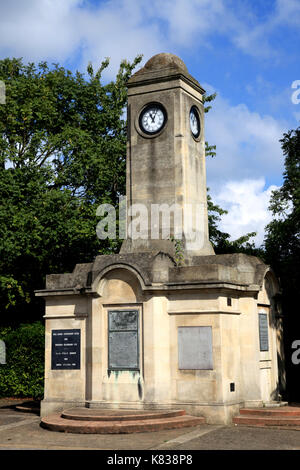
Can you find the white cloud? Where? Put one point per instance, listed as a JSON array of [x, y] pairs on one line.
[[248, 154], [297, 117], [118, 30], [56, 30], [287, 11], [247, 143], [247, 203], [38, 29], [255, 37], [185, 20], [125, 28]]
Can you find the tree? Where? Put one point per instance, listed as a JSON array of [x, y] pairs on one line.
[[23, 373], [62, 153], [282, 246], [282, 241]]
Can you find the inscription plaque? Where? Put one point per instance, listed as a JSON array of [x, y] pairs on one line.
[[65, 352], [263, 332], [195, 347], [123, 340]]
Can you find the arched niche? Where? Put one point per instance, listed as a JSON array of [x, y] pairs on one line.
[[120, 286], [270, 290]]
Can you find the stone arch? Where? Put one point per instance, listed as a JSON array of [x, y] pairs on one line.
[[271, 284], [99, 281], [270, 289], [119, 283]]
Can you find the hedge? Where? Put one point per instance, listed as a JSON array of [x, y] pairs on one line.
[[23, 373]]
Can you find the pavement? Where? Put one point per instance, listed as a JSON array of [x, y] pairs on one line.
[[20, 430]]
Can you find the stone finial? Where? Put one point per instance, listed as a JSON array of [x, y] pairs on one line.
[[165, 60], [163, 66]]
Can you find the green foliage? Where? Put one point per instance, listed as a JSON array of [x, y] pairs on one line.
[[179, 251], [11, 292], [62, 153], [207, 99], [282, 243], [282, 249], [23, 375], [66, 124], [210, 150]]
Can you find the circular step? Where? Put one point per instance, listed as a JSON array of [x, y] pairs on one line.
[[286, 416], [90, 414], [257, 420], [29, 407], [122, 422], [276, 412]]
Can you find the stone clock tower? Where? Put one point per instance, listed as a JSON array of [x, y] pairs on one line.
[[166, 175], [137, 330]]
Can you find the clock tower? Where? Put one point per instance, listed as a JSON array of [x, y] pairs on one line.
[[138, 330], [166, 179]]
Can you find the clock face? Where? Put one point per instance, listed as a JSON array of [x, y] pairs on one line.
[[195, 121], [152, 118]]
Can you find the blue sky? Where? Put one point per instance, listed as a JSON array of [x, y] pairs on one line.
[[245, 50]]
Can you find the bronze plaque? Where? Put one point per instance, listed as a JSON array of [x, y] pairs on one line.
[[123, 340], [263, 332]]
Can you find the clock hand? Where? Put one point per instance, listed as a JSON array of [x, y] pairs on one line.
[[155, 113]]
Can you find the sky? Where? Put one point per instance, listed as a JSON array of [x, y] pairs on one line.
[[247, 51]]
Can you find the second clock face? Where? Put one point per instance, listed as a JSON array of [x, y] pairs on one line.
[[152, 118], [195, 122]]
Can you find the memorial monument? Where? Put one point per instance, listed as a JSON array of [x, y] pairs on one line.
[[166, 323]]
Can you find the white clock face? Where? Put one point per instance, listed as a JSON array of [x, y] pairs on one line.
[[195, 122], [152, 119]]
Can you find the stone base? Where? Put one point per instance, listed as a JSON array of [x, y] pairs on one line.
[[218, 296], [253, 404], [55, 406], [214, 413]]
